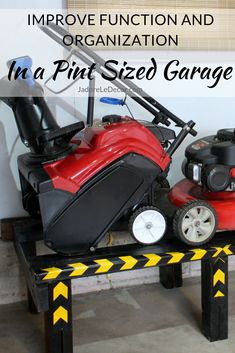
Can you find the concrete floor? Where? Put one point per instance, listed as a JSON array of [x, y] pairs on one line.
[[133, 320]]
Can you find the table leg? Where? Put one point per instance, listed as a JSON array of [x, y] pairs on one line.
[[31, 305], [214, 289], [171, 276], [58, 320]]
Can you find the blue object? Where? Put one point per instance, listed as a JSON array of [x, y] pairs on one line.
[[24, 62], [110, 100]]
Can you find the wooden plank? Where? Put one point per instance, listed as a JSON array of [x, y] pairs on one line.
[[7, 227]]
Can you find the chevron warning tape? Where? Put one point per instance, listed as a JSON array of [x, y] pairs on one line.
[[105, 265], [226, 250], [90, 266], [198, 254], [153, 260], [60, 289], [219, 279], [78, 269], [129, 262], [176, 257], [219, 276], [60, 314], [52, 272], [60, 299]]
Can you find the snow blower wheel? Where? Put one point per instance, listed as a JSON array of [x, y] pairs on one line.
[[195, 223], [147, 225]]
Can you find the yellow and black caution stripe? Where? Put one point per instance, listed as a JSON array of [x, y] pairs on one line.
[[219, 279], [60, 302], [109, 264]]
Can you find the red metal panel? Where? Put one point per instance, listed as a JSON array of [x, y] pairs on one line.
[[232, 172], [102, 145]]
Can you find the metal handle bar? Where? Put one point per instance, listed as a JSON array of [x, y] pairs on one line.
[[144, 99]]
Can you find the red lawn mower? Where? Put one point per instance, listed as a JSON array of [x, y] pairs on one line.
[[82, 180], [206, 199]]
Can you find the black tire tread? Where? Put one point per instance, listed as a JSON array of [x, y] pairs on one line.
[[180, 214]]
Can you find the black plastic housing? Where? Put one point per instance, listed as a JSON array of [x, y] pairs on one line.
[[210, 159], [85, 218], [75, 223], [37, 126]]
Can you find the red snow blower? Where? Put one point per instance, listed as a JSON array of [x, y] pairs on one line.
[[81, 180]]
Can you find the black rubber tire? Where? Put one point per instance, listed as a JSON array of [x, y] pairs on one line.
[[178, 218], [133, 217]]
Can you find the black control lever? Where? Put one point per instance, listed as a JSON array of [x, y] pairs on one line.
[[192, 131], [161, 118], [186, 129], [66, 132]]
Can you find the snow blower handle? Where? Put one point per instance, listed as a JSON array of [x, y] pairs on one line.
[[164, 116], [193, 132], [186, 129], [89, 57]]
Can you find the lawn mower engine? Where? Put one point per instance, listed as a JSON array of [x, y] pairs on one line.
[[205, 200], [210, 161]]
